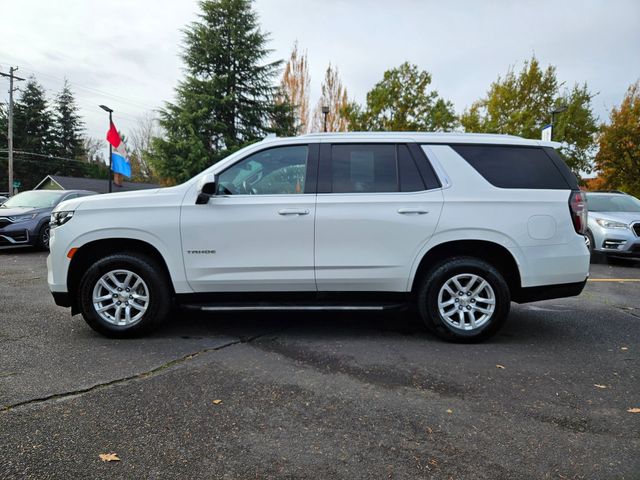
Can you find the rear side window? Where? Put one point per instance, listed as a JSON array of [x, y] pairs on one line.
[[373, 168], [514, 167]]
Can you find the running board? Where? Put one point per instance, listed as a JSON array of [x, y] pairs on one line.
[[292, 307]]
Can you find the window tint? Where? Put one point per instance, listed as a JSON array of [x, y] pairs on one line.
[[363, 168], [513, 167], [410, 179], [275, 171]]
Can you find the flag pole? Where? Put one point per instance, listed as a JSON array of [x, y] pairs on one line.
[[110, 154], [107, 109]]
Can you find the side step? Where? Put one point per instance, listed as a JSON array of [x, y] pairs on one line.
[[254, 307]]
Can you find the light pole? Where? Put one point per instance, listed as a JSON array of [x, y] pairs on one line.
[[325, 112], [558, 110], [108, 110]]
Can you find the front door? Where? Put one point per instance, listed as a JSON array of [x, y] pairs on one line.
[[257, 233]]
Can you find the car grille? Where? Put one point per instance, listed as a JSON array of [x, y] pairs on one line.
[[4, 222], [636, 228]]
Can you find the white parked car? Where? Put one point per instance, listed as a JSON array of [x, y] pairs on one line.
[[459, 225]]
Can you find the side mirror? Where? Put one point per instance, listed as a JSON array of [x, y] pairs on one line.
[[206, 189]]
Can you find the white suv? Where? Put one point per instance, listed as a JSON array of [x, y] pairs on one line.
[[459, 225]]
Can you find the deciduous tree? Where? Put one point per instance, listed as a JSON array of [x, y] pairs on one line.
[[294, 89], [618, 159], [402, 101], [334, 96], [521, 104]]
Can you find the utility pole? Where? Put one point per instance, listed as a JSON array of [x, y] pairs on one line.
[[12, 77]]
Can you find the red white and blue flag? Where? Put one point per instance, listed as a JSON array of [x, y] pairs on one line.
[[119, 161]]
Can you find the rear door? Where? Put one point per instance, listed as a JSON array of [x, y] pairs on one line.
[[378, 204]]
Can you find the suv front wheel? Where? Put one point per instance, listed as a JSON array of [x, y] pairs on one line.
[[123, 295], [464, 299]]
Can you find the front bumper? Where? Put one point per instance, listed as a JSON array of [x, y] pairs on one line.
[[16, 234], [617, 242]]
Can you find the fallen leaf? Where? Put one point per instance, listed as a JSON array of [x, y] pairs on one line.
[[109, 457], [449, 410], [501, 367], [429, 430], [216, 402], [634, 410], [624, 348], [433, 462], [599, 386]]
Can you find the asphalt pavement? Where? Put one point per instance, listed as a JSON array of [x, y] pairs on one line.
[[327, 396]]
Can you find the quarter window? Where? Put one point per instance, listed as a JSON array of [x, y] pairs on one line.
[[513, 167], [276, 171]]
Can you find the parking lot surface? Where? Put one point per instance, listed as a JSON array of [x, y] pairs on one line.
[[322, 395]]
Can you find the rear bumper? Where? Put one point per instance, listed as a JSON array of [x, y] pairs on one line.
[[548, 292]]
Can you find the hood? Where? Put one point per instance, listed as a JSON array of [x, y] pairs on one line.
[[623, 217], [110, 200], [15, 211]]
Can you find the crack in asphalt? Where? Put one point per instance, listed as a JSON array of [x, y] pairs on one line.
[[137, 376], [628, 310]]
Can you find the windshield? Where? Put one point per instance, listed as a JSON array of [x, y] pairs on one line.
[[33, 199], [613, 203]]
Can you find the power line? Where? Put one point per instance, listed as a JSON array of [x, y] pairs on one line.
[[94, 90]]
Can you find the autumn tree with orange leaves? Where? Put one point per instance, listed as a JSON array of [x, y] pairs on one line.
[[334, 96], [618, 160], [294, 89]]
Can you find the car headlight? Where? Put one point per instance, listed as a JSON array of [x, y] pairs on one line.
[[60, 218], [610, 223], [22, 218]]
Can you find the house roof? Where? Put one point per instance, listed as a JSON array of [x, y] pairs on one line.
[[94, 184]]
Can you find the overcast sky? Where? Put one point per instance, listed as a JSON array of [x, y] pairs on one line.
[[125, 52]]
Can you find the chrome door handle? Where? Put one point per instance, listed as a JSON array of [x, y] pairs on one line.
[[412, 211], [293, 211]]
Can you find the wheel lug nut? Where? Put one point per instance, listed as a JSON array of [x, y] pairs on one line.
[[119, 303], [460, 307], [126, 303], [119, 289], [128, 289], [468, 307], [460, 293], [468, 294], [457, 300], [115, 295], [473, 300]]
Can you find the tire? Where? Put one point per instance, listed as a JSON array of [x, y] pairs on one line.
[[596, 257], [148, 301], [487, 317], [42, 242]]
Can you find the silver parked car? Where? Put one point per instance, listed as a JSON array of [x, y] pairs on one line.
[[613, 225]]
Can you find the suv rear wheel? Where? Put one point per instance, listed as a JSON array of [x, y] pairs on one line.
[[464, 299], [123, 295]]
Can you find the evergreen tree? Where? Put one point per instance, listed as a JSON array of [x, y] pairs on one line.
[[4, 124], [68, 125], [227, 97], [33, 121]]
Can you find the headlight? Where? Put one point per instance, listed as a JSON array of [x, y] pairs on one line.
[[610, 223], [23, 218], [60, 218]]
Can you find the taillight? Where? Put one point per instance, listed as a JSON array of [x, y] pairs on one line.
[[578, 209]]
